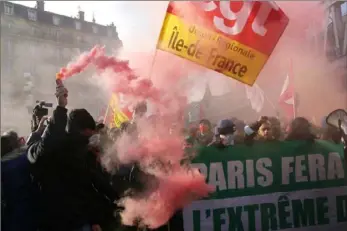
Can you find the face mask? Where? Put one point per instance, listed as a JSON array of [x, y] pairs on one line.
[[227, 140], [94, 140]]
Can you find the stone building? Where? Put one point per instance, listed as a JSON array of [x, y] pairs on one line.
[[335, 42], [35, 44], [336, 29]]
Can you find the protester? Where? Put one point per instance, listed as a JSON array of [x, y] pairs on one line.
[[113, 135], [102, 134], [239, 135], [19, 194], [191, 136], [37, 133], [73, 196], [332, 134], [224, 131], [260, 130], [139, 111], [70, 189], [300, 129], [276, 128], [205, 134]]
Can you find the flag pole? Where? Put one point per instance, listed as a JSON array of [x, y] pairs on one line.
[[106, 113], [293, 82], [153, 63], [271, 103], [150, 70], [156, 46]]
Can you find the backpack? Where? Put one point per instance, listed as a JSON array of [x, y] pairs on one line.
[[19, 197]]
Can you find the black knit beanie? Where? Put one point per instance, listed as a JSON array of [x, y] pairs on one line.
[[80, 119]]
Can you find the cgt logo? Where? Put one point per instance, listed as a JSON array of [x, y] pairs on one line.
[[240, 17]]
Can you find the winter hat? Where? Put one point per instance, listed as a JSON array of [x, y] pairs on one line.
[[225, 127], [9, 141], [80, 119]]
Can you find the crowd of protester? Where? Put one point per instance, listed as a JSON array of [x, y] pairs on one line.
[[234, 131], [55, 181]]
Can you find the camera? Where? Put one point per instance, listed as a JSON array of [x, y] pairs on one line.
[[41, 108]]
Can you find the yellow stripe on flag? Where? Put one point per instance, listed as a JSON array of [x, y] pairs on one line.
[[119, 117]]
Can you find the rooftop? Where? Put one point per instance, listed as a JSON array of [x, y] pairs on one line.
[[39, 15]]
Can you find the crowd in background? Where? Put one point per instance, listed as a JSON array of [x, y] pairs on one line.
[[55, 180], [263, 130]]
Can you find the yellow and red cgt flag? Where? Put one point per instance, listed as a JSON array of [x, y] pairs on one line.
[[235, 38], [115, 115]]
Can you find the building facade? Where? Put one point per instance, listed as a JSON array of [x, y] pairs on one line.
[[335, 34], [335, 40], [35, 44]]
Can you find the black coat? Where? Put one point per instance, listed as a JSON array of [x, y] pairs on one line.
[[72, 193]]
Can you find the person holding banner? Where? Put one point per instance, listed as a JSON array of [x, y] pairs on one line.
[[224, 134], [205, 135], [261, 130], [300, 129]]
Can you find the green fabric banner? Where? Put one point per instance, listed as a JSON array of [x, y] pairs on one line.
[[271, 186]]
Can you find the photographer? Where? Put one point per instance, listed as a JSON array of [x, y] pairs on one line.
[[38, 121], [73, 196], [36, 134], [40, 111]]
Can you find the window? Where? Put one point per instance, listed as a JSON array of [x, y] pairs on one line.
[[78, 25], [9, 48], [8, 8], [109, 32], [56, 20], [58, 34], [344, 9], [34, 30], [51, 32], [95, 29], [32, 15]]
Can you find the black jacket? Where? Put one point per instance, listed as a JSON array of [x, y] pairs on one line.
[[19, 195], [34, 137], [72, 193]]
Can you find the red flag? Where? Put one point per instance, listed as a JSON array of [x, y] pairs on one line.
[[287, 97]]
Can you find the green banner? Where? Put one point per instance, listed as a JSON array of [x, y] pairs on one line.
[[271, 186]]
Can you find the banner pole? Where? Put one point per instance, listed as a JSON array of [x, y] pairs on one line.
[[153, 63], [107, 109], [156, 46], [294, 92]]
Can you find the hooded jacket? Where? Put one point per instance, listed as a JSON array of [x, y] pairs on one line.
[[72, 193]]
